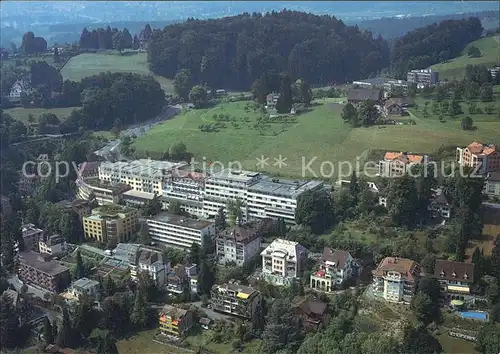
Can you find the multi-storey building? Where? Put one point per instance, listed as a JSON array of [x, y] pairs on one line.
[[283, 261], [175, 321], [235, 299], [105, 192], [142, 175], [239, 244], [53, 245], [227, 185], [483, 158], [423, 77], [397, 164], [455, 279], [395, 279], [179, 231], [336, 267], [492, 185], [85, 286], [151, 262], [439, 206], [135, 198], [89, 169], [274, 198], [110, 222], [79, 206], [31, 236], [38, 270]]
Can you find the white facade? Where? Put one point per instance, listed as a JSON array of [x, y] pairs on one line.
[[178, 231], [19, 87], [283, 261], [152, 263], [85, 286], [53, 245], [336, 267]]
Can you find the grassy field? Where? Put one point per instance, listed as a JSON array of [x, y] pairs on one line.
[[454, 345], [89, 64], [319, 135], [22, 114], [455, 68], [142, 342]]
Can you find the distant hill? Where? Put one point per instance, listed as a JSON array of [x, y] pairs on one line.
[[455, 68], [394, 27]]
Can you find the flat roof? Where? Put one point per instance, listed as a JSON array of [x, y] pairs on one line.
[[138, 194], [30, 229], [235, 175], [115, 188], [85, 283], [111, 210], [283, 187], [147, 167], [32, 259], [179, 220]]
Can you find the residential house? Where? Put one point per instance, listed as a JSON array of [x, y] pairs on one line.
[[455, 279], [492, 185], [283, 261], [85, 286], [395, 279], [271, 100], [235, 299], [423, 77], [336, 267], [175, 321], [313, 313], [31, 236], [397, 164], [178, 279], [151, 262], [494, 71], [483, 158], [53, 245], [79, 206], [20, 87], [38, 270], [238, 244], [439, 206], [358, 95], [392, 108]]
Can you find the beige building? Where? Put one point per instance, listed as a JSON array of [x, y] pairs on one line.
[[53, 245], [395, 279], [397, 164], [110, 222], [336, 267], [455, 279], [239, 244], [482, 157]]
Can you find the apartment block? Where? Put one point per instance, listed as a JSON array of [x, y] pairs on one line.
[[175, 321], [336, 267], [79, 206], [179, 231], [397, 164], [104, 192], [141, 175], [275, 198], [38, 270], [227, 185], [235, 299], [239, 244], [395, 279], [455, 279], [31, 236], [110, 222], [483, 158], [53, 245], [492, 185], [423, 77], [283, 261], [151, 262]]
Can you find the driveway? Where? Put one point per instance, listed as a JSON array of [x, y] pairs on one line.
[[211, 313]]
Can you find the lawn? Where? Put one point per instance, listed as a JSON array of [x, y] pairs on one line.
[[22, 114], [89, 64], [142, 342], [455, 68], [454, 345], [319, 135]]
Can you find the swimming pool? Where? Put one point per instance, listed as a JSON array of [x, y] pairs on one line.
[[473, 315]]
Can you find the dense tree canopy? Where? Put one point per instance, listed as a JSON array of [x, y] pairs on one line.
[[423, 47], [234, 51], [31, 44]]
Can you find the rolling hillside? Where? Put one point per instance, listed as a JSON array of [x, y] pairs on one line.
[[455, 68]]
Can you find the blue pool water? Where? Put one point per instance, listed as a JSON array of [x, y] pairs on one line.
[[473, 315]]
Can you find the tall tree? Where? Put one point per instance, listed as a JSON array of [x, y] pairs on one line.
[[80, 267], [118, 41], [138, 317], [127, 39], [206, 277], [350, 115], [285, 100], [64, 337], [488, 339], [315, 210], [234, 207], [9, 323], [283, 328], [402, 201], [198, 96], [220, 220], [183, 82], [84, 319]]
